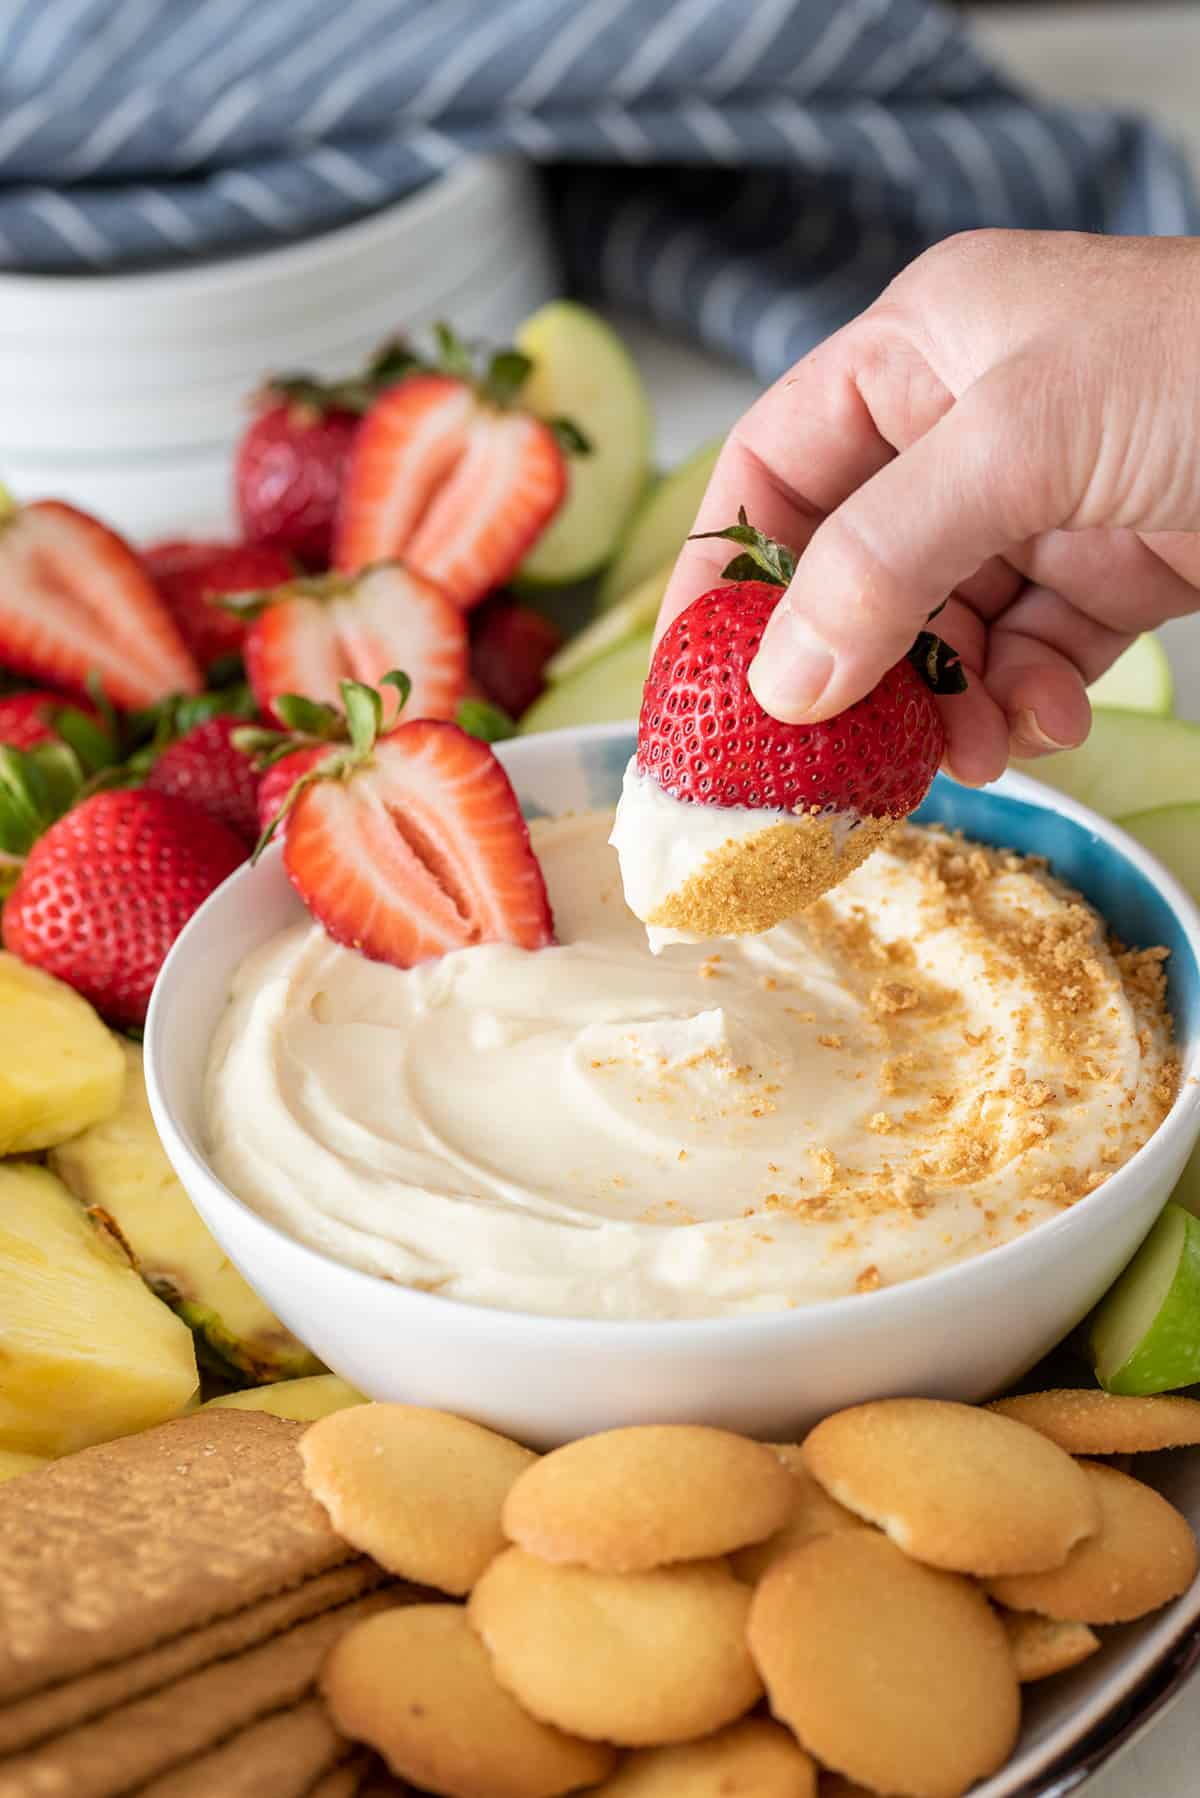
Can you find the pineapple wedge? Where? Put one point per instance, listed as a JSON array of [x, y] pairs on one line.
[[12, 1463], [120, 1171], [302, 1400], [63, 1069], [87, 1352]]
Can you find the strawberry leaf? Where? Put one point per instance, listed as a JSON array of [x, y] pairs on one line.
[[507, 373], [569, 438], [364, 715], [454, 356], [480, 718], [400, 681], [763, 558], [310, 717], [937, 664]]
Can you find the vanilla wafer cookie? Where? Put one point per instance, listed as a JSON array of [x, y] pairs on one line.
[[1090, 1422]]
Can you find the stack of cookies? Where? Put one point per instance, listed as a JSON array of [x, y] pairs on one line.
[[678, 1612], [166, 1603]]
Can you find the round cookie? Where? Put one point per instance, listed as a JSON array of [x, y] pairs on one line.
[[813, 1513], [1143, 1555], [1091, 1422], [893, 1674], [416, 1685], [751, 1759], [419, 1491], [955, 1486], [631, 1499], [1042, 1646], [640, 1659]]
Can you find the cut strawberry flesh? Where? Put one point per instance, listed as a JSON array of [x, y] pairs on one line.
[[391, 618], [422, 851], [458, 488], [75, 600]]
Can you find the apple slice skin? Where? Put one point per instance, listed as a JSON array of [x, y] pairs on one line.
[[582, 371], [660, 525], [1128, 758], [1145, 1333], [630, 617], [607, 691], [1172, 833], [1138, 681]]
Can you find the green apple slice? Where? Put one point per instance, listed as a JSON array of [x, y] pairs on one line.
[[582, 371], [1145, 1335], [606, 691], [1138, 681], [1130, 761], [660, 526], [1172, 833], [1187, 1193], [630, 617]]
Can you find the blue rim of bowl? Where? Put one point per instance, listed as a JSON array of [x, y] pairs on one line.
[[1027, 793]]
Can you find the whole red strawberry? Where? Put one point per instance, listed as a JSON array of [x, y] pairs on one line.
[[288, 475], [191, 576], [510, 646], [205, 767], [703, 737], [27, 719], [104, 894]]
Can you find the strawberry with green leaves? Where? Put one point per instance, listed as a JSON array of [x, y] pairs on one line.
[[448, 472], [411, 843], [106, 890]]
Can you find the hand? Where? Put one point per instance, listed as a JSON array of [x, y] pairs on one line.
[[1014, 423]]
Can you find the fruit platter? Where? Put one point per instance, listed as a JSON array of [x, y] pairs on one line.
[[539, 1253]]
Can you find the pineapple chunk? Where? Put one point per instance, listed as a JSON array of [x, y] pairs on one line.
[[302, 1400], [62, 1069], [87, 1352], [12, 1463], [120, 1171]]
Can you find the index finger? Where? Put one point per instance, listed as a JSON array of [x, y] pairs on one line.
[[806, 444]]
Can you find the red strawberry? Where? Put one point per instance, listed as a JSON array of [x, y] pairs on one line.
[[319, 632], [205, 767], [292, 458], [279, 779], [190, 576], [288, 475], [417, 848], [703, 736], [457, 486], [26, 718], [106, 891], [76, 601], [509, 651]]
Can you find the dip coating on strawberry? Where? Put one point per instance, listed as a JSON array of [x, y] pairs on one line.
[[105, 892], [730, 821], [76, 603]]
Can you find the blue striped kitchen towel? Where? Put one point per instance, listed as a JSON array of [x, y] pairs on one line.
[[749, 172]]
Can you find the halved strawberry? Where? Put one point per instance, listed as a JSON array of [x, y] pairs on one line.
[[413, 845], [455, 484], [76, 601], [313, 634]]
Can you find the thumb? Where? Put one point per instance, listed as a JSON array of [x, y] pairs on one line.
[[991, 472]]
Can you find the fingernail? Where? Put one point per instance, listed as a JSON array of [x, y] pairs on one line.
[[793, 667], [1026, 726]]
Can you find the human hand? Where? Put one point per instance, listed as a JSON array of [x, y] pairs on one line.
[[1013, 423]]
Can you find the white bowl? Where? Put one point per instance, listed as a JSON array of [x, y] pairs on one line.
[[125, 393], [961, 1333]]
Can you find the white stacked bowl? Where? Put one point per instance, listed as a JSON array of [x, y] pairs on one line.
[[126, 393]]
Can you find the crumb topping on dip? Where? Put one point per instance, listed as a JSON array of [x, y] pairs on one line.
[[940, 1054]]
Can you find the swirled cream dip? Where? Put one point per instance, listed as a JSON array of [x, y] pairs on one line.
[[937, 1056]]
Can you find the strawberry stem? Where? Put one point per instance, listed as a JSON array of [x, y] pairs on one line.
[[762, 557]]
